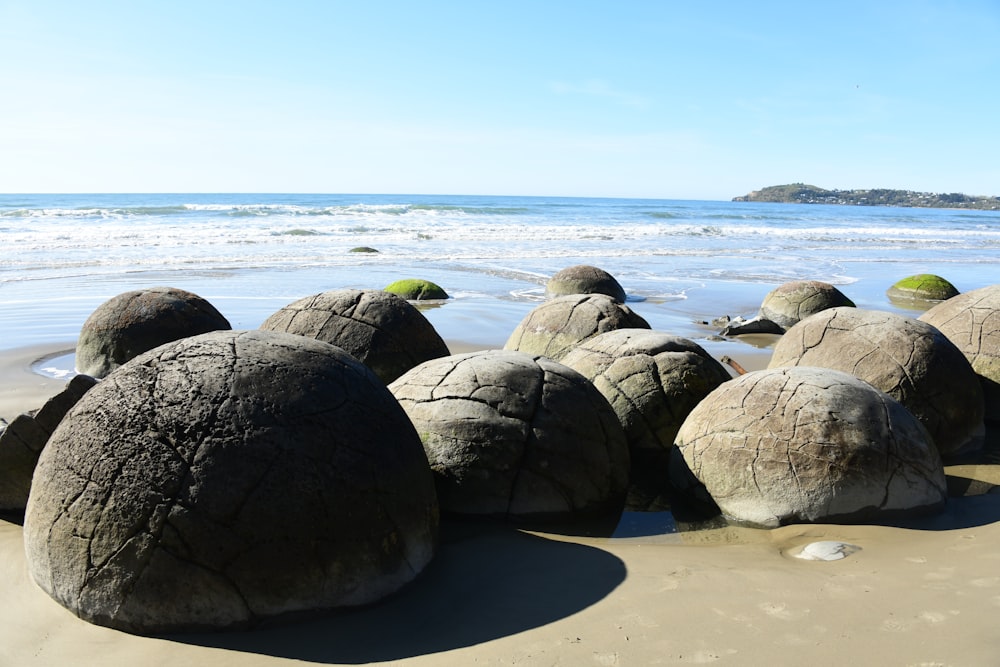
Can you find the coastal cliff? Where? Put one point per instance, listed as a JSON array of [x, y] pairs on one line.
[[800, 193]]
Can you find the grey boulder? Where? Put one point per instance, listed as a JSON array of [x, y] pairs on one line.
[[133, 322], [790, 302], [515, 436], [908, 359], [584, 279], [229, 478], [555, 327], [805, 445], [972, 322], [652, 381], [25, 437], [380, 329]]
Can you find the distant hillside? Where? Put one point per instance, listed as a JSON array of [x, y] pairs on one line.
[[800, 193]]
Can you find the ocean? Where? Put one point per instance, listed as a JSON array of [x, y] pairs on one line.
[[682, 263]]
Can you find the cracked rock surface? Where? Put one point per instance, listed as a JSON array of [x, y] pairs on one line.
[[382, 330], [652, 381], [134, 322], [795, 300], [972, 322], [512, 435], [800, 445], [584, 279], [228, 478], [910, 360], [555, 327]]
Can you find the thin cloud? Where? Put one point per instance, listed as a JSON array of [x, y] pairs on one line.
[[601, 89]]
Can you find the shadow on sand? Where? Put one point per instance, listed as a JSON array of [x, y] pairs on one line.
[[484, 584]]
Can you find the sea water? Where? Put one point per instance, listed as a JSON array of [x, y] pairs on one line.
[[682, 263]]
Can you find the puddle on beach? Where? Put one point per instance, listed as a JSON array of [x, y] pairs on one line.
[[58, 366]]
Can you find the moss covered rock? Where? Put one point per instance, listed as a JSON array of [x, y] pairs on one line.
[[416, 289], [921, 287]]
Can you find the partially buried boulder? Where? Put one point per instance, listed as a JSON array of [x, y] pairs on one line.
[[416, 289], [133, 322], [515, 436], [380, 329], [800, 445], [652, 381], [229, 478], [793, 301], [24, 439], [555, 327], [584, 279], [972, 322], [910, 360], [920, 291]]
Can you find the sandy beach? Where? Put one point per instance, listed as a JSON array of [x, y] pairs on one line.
[[919, 595]]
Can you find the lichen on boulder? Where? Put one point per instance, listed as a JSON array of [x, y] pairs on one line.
[[921, 290], [416, 289]]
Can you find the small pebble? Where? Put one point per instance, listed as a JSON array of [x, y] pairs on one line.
[[827, 550]]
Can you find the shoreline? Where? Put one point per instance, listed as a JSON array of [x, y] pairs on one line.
[[922, 594]]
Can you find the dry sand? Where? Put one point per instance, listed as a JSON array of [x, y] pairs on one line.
[[497, 597]]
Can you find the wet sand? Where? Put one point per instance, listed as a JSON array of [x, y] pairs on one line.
[[922, 595]]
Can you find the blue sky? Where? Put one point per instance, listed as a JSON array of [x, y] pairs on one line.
[[681, 100]]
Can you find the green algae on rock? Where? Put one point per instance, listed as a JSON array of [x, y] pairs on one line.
[[921, 287], [416, 289]]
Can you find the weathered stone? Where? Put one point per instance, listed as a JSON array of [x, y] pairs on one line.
[[910, 360], [972, 322], [584, 279], [652, 381], [416, 289], [921, 290], [515, 436], [555, 327], [788, 303], [795, 445], [133, 322], [756, 325], [380, 329], [229, 478], [24, 439]]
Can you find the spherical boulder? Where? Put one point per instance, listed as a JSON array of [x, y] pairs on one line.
[[910, 360], [133, 322], [801, 445], [652, 381], [584, 279], [416, 289], [229, 478], [916, 291], [382, 330], [516, 436], [555, 327], [788, 303], [972, 322]]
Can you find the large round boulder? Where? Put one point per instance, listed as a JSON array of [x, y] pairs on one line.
[[652, 381], [516, 436], [416, 289], [555, 327], [972, 322], [133, 322], [229, 478], [584, 279], [910, 360], [793, 301], [800, 445], [382, 330]]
